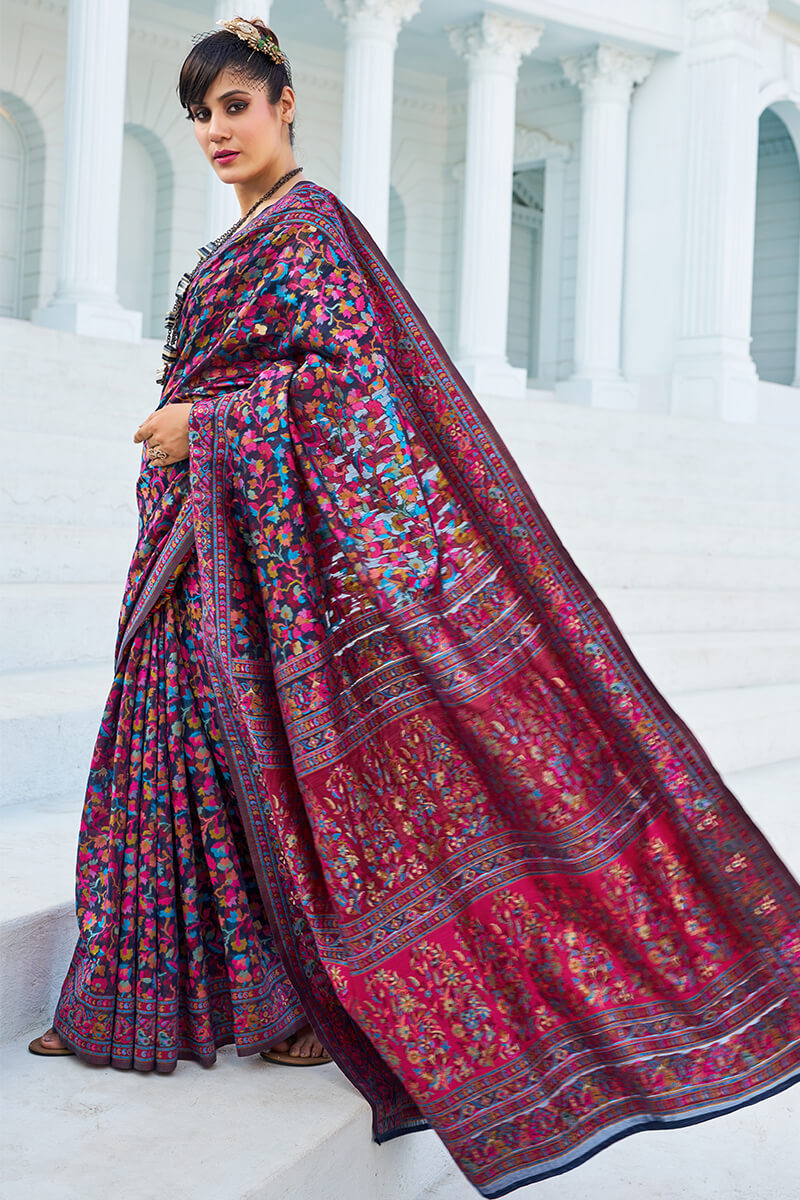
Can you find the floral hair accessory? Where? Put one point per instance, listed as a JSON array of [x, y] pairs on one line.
[[255, 37]]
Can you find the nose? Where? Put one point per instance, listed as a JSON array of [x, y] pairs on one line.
[[217, 131]]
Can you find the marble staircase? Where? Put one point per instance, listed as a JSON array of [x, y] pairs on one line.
[[689, 531]]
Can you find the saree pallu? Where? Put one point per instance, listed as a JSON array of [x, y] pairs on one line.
[[175, 957], [511, 893]]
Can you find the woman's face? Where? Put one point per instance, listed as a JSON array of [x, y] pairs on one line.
[[240, 132]]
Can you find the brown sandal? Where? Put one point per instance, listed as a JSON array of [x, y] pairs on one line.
[[37, 1046], [296, 1060]]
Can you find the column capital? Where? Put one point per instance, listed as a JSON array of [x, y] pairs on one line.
[[495, 40], [607, 72], [374, 16], [714, 20]]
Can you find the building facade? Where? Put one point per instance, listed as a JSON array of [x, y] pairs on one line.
[[599, 201]]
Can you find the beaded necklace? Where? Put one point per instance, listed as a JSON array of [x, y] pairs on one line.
[[170, 352]]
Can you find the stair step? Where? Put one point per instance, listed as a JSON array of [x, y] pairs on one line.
[[44, 624], [49, 721], [670, 536], [701, 661], [566, 499], [67, 499], [743, 727], [66, 554], [654, 610], [113, 459], [540, 411], [296, 1133], [628, 568]]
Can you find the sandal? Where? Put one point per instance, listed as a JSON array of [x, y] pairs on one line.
[[37, 1046], [296, 1060]]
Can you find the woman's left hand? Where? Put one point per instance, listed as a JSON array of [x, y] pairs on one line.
[[166, 435]]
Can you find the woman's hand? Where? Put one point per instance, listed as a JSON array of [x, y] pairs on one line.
[[166, 435]]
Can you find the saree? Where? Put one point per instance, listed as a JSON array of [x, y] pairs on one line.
[[508, 888]]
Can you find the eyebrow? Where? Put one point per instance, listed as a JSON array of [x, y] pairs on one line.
[[224, 96]]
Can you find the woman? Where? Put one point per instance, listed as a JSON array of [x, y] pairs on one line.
[[378, 771]]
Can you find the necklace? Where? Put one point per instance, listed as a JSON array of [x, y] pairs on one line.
[[170, 352]]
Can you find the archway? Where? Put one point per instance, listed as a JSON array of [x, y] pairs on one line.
[[525, 274], [144, 282], [776, 264], [21, 204]]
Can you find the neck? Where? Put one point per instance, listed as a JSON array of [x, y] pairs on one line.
[[248, 192]]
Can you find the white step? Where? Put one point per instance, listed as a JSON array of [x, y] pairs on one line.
[[626, 568], [743, 727], [611, 427], [670, 536], [635, 477], [67, 499], [57, 623], [49, 721], [653, 610], [694, 661], [66, 553], [245, 1130], [566, 498], [115, 458]]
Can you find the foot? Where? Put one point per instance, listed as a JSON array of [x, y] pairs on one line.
[[51, 1041], [303, 1044]]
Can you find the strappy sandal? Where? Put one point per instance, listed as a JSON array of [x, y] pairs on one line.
[[37, 1046], [296, 1060]]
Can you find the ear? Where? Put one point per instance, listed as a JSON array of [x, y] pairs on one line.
[[287, 103]]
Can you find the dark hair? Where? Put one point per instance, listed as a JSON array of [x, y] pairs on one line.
[[224, 51]]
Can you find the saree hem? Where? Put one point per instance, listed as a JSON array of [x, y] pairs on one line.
[[150, 1064], [634, 1126]]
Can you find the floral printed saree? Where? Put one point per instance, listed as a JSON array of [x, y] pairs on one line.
[[437, 805]]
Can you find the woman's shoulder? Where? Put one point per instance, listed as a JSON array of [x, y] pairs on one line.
[[311, 210]]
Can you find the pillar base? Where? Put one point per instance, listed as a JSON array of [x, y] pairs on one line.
[[599, 393], [91, 319], [715, 387], [494, 377]]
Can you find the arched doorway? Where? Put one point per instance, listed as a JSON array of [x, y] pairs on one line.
[[12, 209], [525, 273], [776, 264], [145, 229], [22, 184]]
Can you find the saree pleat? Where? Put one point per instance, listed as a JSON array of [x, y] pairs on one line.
[[175, 956]]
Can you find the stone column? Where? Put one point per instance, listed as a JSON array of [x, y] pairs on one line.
[[85, 299], [371, 27], [606, 77], [714, 375], [222, 205], [493, 47]]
